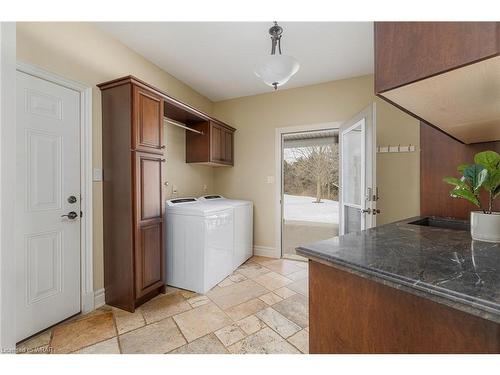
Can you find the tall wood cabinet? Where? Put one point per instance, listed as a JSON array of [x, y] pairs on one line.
[[132, 136]]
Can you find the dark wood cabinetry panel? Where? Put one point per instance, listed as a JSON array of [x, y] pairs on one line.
[[229, 147], [148, 182], [406, 52], [351, 314], [117, 198], [149, 257], [148, 121], [439, 157], [198, 145], [216, 143]]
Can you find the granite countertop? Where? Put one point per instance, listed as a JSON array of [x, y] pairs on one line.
[[443, 265]]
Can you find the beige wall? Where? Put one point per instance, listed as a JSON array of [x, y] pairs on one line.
[[83, 53], [257, 117]]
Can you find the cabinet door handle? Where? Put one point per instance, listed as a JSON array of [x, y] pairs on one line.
[[163, 160]]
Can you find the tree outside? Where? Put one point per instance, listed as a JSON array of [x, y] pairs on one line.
[[312, 171]]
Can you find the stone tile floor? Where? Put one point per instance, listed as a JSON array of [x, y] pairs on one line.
[[261, 308]]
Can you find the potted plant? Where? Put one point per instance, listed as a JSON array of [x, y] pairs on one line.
[[483, 174]]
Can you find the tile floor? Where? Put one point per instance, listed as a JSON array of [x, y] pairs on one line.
[[261, 308]]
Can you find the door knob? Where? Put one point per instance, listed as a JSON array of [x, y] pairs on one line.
[[71, 215], [365, 211]]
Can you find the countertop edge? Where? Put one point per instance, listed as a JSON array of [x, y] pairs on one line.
[[448, 299]]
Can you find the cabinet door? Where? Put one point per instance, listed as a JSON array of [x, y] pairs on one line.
[[228, 138], [216, 143], [147, 134], [148, 213], [221, 144]]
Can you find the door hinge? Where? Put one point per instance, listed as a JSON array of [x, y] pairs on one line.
[[81, 213]]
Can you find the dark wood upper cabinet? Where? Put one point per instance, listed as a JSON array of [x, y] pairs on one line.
[[443, 73], [148, 121], [214, 147]]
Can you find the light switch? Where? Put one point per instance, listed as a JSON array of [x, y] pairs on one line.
[[270, 179], [97, 174]]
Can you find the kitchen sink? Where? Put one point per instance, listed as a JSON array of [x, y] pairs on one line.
[[441, 222]]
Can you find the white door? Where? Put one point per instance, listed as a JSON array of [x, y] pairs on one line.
[[358, 197], [48, 187]]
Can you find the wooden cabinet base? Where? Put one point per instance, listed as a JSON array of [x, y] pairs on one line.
[[351, 314]]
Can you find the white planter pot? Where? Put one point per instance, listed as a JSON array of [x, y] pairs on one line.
[[485, 227]]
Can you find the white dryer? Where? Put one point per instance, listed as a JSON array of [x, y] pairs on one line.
[[199, 243], [243, 226]]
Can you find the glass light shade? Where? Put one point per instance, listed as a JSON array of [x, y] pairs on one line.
[[277, 69]]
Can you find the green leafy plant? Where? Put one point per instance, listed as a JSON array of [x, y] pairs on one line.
[[484, 173]]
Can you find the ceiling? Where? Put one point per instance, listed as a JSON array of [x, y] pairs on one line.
[[217, 59]]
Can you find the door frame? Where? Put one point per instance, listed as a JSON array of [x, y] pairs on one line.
[[277, 252], [86, 222], [7, 190]]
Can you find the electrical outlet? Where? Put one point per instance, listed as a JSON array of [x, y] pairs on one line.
[[174, 190], [270, 179], [205, 188]]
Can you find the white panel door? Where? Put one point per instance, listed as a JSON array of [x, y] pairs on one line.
[[48, 187], [357, 172]]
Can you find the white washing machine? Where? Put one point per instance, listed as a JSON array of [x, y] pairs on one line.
[[199, 243], [243, 226]]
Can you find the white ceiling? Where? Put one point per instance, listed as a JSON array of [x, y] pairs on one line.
[[217, 59]]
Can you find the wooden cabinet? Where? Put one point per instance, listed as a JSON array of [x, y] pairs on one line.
[[213, 147], [373, 318], [443, 73], [148, 121], [132, 193]]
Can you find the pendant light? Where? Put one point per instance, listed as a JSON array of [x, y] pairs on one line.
[[276, 69]]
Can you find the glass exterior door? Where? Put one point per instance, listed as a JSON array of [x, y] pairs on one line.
[[357, 165]]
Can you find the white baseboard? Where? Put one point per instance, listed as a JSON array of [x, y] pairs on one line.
[[265, 251], [99, 298]]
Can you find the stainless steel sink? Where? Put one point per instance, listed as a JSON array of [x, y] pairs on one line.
[[441, 222]]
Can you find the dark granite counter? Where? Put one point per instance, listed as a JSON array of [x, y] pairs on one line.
[[443, 265]]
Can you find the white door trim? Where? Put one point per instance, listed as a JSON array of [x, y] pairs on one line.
[[7, 189], [86, 248], [279, 173]]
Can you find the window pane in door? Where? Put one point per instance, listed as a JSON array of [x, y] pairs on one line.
[[352, 219], [351, 165]]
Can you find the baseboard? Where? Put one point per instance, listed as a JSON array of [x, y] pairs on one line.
[[99, 298], [265, 251]]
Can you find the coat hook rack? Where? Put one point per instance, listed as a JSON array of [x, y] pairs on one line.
[[395, 149]]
